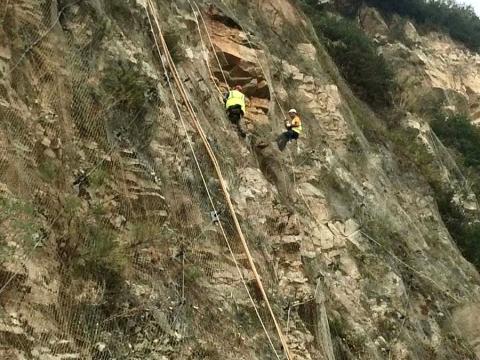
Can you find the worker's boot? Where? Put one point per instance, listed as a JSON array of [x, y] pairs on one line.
[[240, 130]]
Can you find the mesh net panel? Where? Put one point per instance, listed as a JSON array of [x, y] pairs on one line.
[[110, 248]]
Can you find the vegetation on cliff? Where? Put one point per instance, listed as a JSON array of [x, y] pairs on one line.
[[366, 71], [458, 132], [371, 78], [459, 21], [449, 16]]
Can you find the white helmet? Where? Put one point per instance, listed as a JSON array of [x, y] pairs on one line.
[[292, 111]]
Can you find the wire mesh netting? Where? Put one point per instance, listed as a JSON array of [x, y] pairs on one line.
[[110, 245]]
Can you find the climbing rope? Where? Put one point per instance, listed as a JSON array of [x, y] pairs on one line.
[[400, 261], [256, 55], [212, 45], [212, 156], [177, 106], [273, 93], [230, 249], [196, 11], [212, 77]]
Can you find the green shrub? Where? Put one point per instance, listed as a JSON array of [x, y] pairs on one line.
[[23, 220], [133, 93], [356, 56], [408, 147], [120, 9], [98, 210], [465, 233], [458, 132], [12, 208], [129, 86], [99, 254], [71, 205], [455, 131], [98, 177], [99, 243], [175, 46], [5, 251], [469, 243], [192, 274], [48, 170], [145, 232]]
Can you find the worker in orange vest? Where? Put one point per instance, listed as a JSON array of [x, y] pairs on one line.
[[294, 129]]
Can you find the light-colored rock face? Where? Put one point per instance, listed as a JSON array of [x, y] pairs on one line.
[[467, 318], [134, 264], [240, 66], [307, 51], [411, 34], [434, 73], [280, 12], [373, 23], [449, 65], [431, 69]]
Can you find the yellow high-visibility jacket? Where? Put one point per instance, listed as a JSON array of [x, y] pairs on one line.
[[235, 97], [297, 124]]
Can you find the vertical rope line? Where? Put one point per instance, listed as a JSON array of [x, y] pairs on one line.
[[222, 184], [211, 44], [208, 191], [205, 49]]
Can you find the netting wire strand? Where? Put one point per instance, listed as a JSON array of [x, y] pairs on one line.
[[208, 191]]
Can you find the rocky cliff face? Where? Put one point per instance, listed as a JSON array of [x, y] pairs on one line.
[[109, 249], [432, 70]]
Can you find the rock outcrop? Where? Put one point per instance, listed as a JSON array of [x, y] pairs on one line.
[[432, 69], [116, 240]]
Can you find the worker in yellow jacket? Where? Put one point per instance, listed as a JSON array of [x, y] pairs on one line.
[[235, 106], [294, 129]]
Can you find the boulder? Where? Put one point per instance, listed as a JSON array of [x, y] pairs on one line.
[[307, 51], [410, 33], [372, 22]]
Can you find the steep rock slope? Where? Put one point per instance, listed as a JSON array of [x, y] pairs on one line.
[[432, 69], [131, 264]]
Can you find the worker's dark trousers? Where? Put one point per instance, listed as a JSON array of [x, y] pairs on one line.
[[235, 114], [285, 137]]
